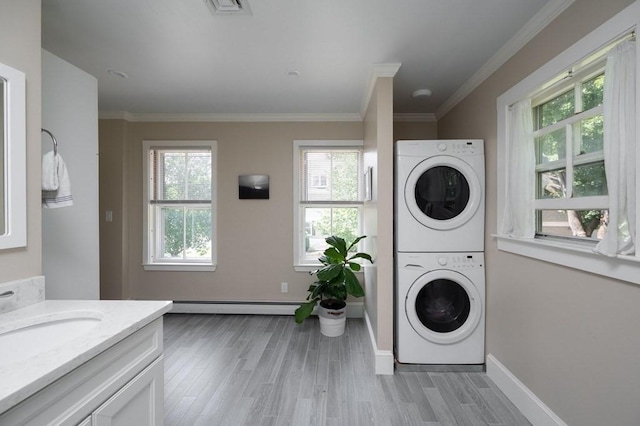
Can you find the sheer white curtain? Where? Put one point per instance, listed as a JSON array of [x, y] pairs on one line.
[[619, 149], [518, 220]]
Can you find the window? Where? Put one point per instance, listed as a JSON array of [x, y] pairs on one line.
[[571, 191], [573, 203], [327, 194], [179, 229]]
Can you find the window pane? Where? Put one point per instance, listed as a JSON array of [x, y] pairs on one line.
[[172, 176], [552, 184], [172, 232], [186, 233], [199, 176], [198, 233], [589, 135], [184, 175], [555, 110], [331, 176], [589, 180], [573, 223], [551, 147], [592, 92], [323, 222]]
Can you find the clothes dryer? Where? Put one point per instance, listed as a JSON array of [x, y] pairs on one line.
[[440, 196], [440, 308]]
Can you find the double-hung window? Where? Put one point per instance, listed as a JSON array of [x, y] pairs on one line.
[[179, 182], [567, 156], [327, 194], [571, 191]]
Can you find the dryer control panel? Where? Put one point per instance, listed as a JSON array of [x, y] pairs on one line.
[[463, 261]]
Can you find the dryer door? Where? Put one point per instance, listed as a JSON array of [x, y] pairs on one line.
[[443, 306], [442, 192]]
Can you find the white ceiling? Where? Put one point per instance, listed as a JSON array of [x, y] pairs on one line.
[[180, 59]]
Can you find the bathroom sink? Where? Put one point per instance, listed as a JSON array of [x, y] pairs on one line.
[[29, 337]]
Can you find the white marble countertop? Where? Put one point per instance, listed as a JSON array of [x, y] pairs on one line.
[[119, 319]]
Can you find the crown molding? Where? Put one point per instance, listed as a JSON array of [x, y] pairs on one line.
[[415, 117], [228, 118], [532, 28], [379, 70]]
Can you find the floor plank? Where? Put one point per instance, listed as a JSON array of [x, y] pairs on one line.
[[266, 370]]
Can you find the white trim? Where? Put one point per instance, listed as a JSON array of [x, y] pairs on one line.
[[354, 309], [526, 401], [545, 16], [573, 256], [383, 359], [417, 117], [15, 155], [228, 118], [195, 267], [622, 267], [379, 70]]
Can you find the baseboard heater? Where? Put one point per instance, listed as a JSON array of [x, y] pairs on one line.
[[354, 310]]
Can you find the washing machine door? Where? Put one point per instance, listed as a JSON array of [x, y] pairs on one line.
[[442, 192], [443, 306]]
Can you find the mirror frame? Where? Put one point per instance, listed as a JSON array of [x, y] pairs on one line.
[[15, 173]]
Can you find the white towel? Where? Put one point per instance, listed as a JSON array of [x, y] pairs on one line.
[[50, 163], [56, 186]]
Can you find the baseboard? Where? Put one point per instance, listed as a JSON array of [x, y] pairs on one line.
[[526, 401], [384, 360], [354, 310]]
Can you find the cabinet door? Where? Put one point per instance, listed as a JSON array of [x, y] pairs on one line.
[[139, 402]]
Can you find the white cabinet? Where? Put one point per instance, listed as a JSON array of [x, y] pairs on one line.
[[138, 403], [121, 386]]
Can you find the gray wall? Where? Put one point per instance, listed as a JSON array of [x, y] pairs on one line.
[[569, 336], [70, 254]]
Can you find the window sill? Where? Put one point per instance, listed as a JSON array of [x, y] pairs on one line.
[[183, 267], [623, 268], [311, 268]]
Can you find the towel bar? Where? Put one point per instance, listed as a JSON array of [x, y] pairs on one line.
[[53, 138]]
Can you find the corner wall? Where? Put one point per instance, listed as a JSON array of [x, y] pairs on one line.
[[378, 219], [569, 336]]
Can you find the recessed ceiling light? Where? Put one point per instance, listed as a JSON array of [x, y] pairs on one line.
[[116, 73], [421, 92], [293, 73]]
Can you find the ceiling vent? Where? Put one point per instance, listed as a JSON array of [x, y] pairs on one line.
[[228, 7]]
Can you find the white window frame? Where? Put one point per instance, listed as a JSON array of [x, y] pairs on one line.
[[147, 243], [574, 255], [298, 225]]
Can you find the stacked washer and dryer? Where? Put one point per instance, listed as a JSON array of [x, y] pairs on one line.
[[439, 229]]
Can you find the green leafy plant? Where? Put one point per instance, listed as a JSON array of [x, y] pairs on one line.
[[336, 278]]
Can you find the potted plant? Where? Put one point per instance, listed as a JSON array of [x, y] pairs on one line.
[[336, 281]]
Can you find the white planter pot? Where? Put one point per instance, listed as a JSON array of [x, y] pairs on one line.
[[332, 321]]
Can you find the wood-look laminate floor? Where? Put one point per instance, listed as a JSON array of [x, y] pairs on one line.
[[266, 370]]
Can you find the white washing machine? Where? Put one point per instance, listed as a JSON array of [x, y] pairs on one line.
[[440, 308], [440, 196]]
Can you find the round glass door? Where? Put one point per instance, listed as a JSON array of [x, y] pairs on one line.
[[443, 306], [442, 192]]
